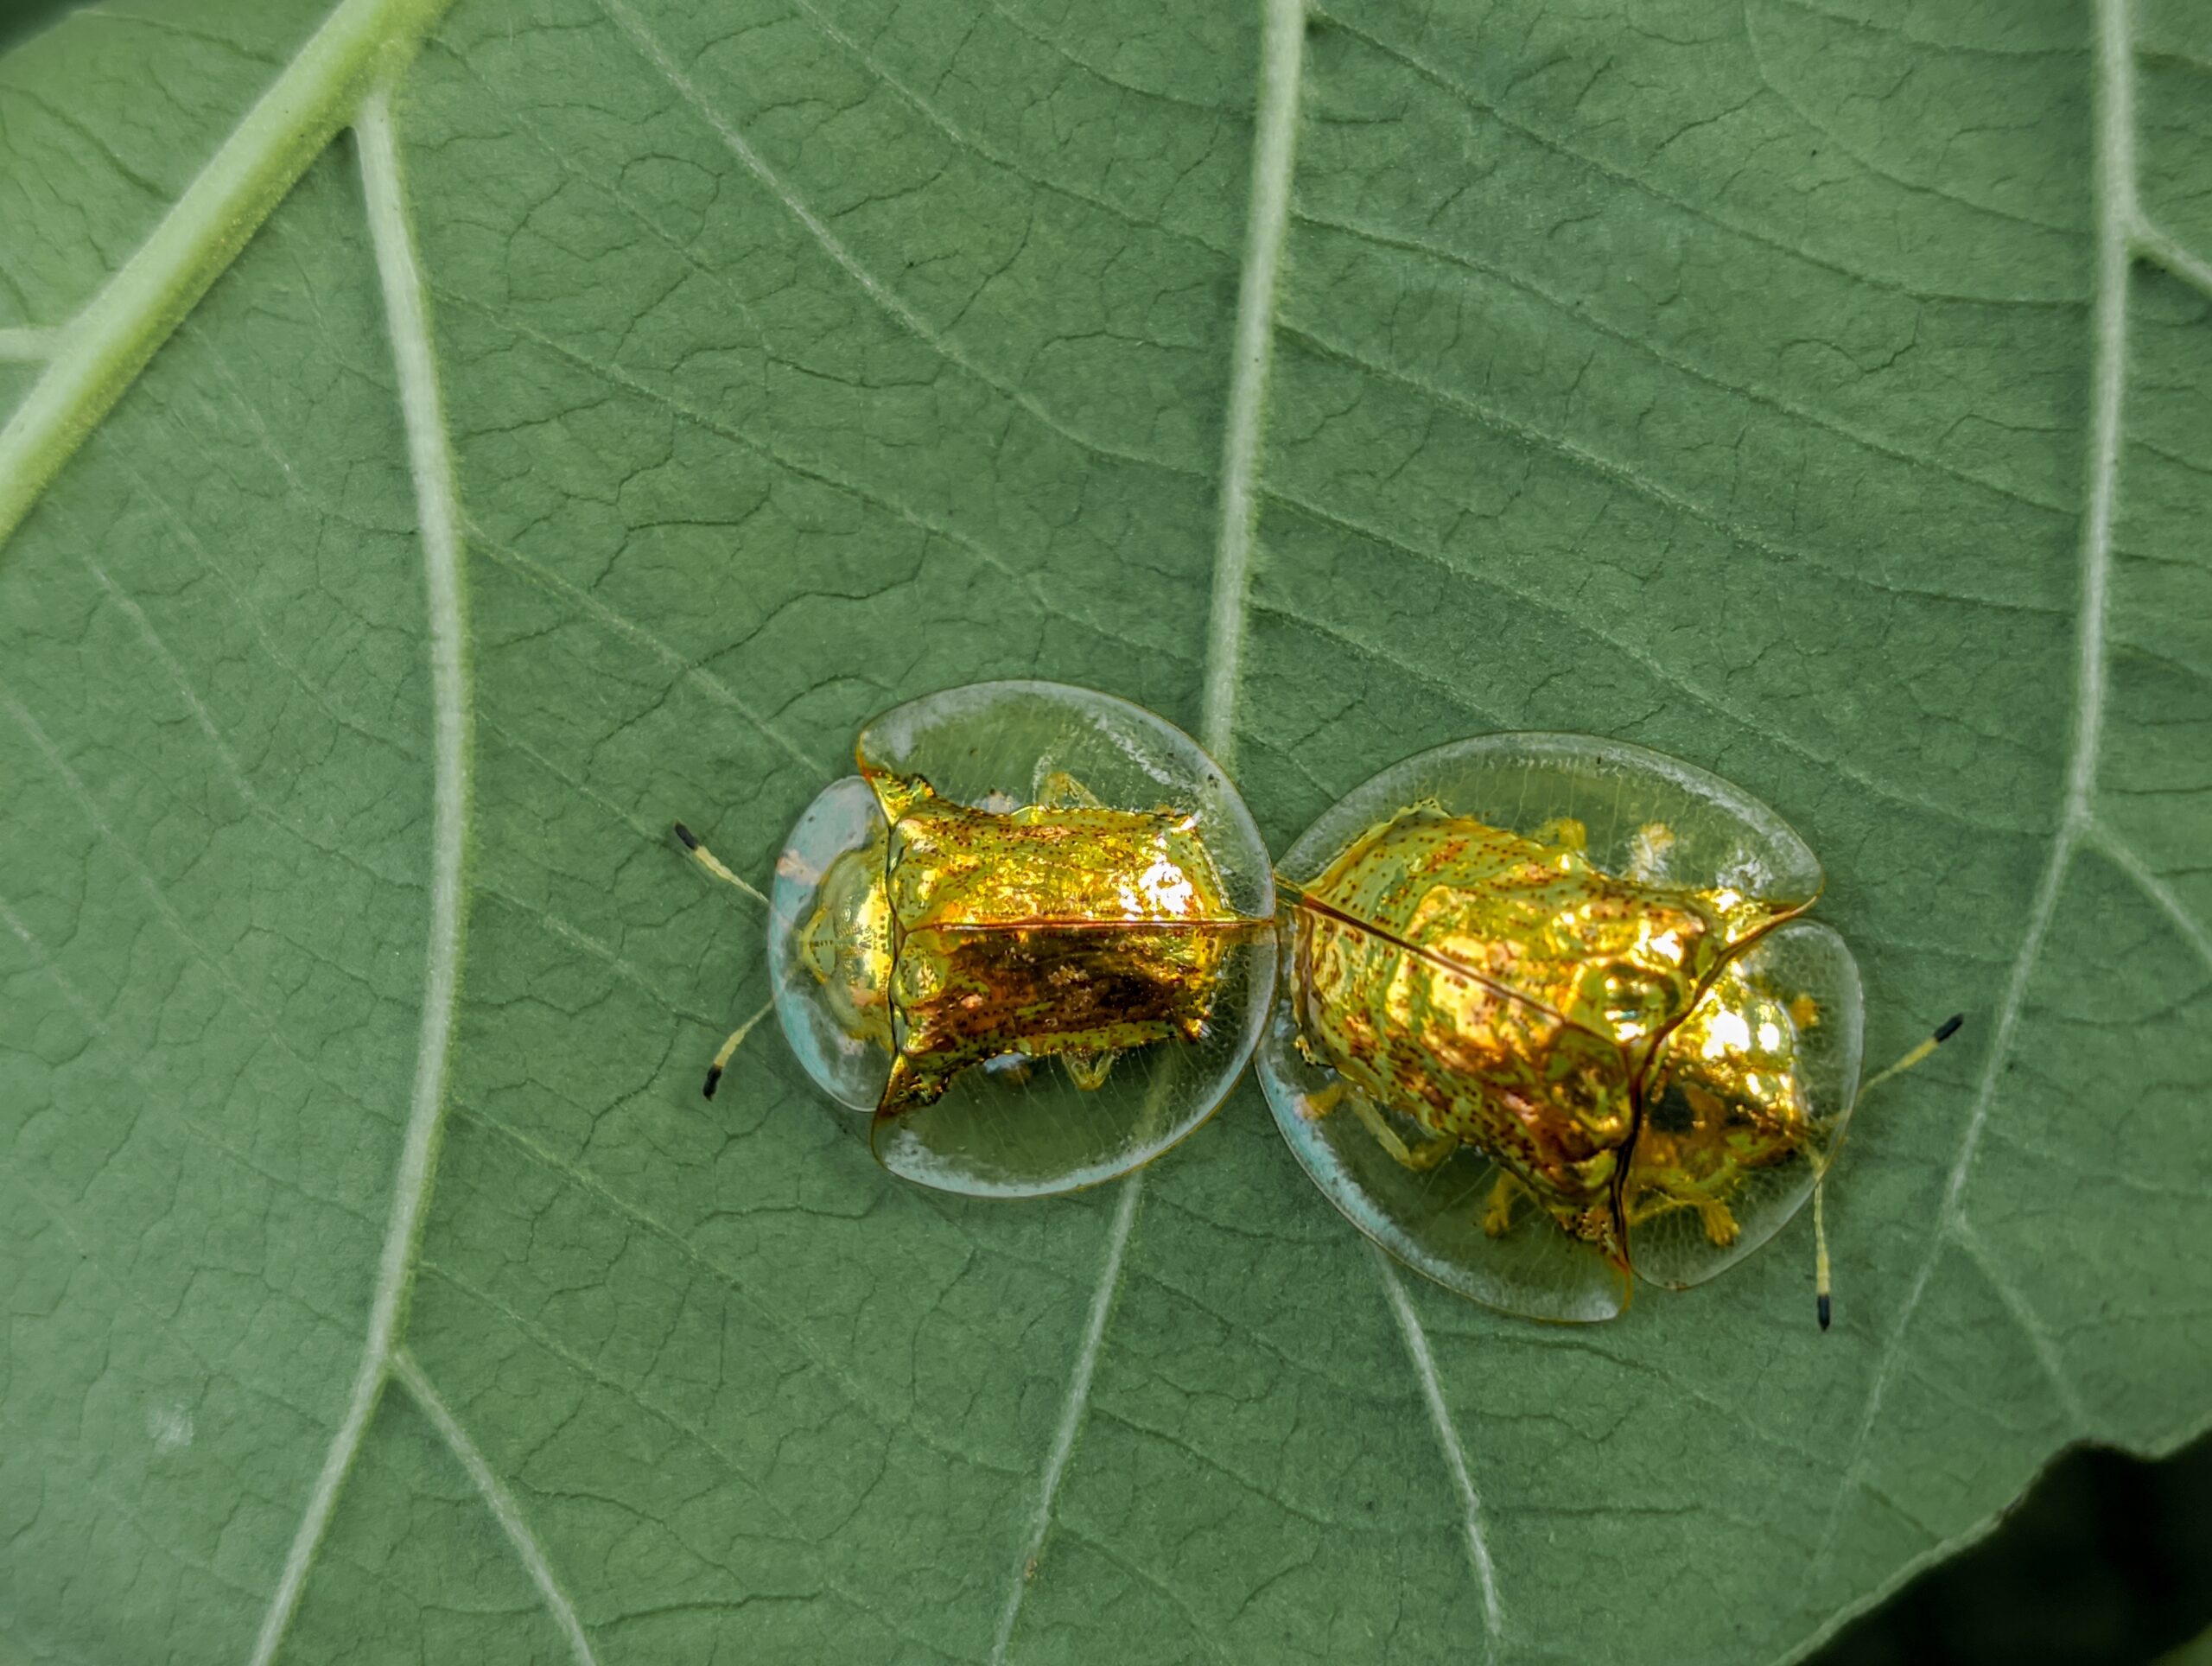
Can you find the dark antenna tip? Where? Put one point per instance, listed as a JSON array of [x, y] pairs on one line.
[[714, 1080], [1823, 1301], [691, 840], [1949, 1026]]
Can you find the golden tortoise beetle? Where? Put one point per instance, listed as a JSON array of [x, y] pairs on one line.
[[1033, 937], [1546, 975], [1550, 1020]]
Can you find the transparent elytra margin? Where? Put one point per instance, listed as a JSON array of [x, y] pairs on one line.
[[1019, 1126], [1432, 1220]]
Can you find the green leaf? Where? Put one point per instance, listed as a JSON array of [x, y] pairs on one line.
[[635, 401]]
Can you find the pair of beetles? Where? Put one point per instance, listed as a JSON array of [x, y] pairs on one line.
[[1539, 1012]]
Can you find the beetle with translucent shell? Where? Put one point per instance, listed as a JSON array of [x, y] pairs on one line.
[[1033, 939], [1551, 1020]]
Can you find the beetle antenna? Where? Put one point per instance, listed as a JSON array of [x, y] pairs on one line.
[[1821, 1251], [1919, 1054], [728, 1049], [708, 860], [1944, 1031]]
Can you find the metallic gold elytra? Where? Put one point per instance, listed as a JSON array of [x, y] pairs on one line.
[[1506, 994], [1057, 928]]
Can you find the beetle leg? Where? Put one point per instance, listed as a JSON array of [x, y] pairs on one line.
[[1653, 1199], [1326, 1100], [1089, 1069], [1497, 1213], [1647, 851], [1563, 833], [1061, 791], [1719, 1225], [1418, 1159]]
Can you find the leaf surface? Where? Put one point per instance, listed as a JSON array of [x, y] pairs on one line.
[[636, 401]]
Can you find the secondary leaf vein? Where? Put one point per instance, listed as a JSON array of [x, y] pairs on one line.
[[500, 1502], [1274, 155], [2117, 218], [437, 508]]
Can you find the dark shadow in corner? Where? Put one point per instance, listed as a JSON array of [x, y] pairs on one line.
[[2105, 1560]]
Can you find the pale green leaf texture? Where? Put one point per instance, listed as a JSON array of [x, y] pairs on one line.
[[1823, 393]]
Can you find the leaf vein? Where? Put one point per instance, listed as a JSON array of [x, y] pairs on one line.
[[1621, 176], [499, 1500], [170, 916], [2155, 242], [630, 631], [819, 1358], [1455, 1457], [887, 299], [2123, 856], [2028, 1322], [1840, 142], [1581, 315], [2115, 186], [1626, 649], [615, 377], [430, 462], [969, 142], [1274, 155]]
